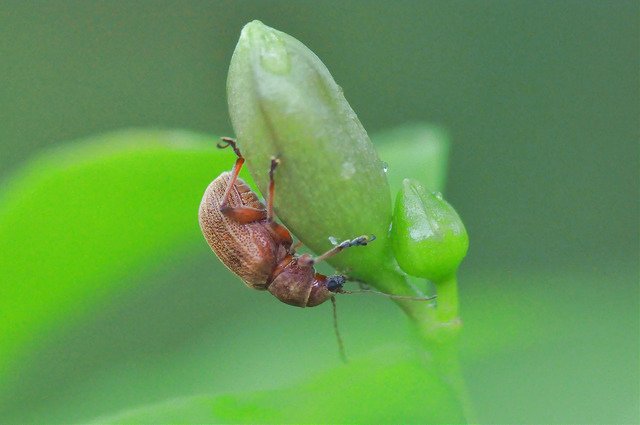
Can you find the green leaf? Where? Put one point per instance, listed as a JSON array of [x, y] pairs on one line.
[[187, 410], [283, 102], [76, 220], [395, 386]]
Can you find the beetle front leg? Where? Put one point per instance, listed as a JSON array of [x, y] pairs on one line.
[[363, 240]]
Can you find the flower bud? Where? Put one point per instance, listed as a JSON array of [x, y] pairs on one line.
[[283, 102], [429, 239]]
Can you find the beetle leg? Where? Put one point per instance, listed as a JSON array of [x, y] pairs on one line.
[[308, 260], [272, 188], [226, 142], [243, 215], [296, 246], [279, 232]]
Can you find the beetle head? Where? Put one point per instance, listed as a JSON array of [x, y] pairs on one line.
[[335, 282]]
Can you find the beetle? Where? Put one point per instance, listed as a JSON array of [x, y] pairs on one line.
[[243, 233]]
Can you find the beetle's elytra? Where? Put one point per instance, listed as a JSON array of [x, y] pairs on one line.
[[244, 235]]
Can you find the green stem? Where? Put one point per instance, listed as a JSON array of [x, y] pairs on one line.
[[438, 328], [446, 338], [391, 281], [447, 312]]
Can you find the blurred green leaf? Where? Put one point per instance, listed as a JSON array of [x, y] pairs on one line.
[[509, 330], [419, 151], [514, 322], [393, 386], [188, 410], [76, 220]]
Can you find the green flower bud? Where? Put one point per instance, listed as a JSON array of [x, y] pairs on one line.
[[283, 102], [429, 239]]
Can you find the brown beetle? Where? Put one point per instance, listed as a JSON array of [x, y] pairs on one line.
[[244, 235]]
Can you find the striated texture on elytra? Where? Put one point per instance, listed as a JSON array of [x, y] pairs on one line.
[[248, 250]]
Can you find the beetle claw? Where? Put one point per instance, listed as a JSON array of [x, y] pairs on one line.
[[226, 142], [361, 240]]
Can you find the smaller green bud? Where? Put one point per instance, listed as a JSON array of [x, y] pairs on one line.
[[428, 237]]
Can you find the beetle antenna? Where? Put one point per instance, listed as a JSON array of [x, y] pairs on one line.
[[343, 354], [393, 296]]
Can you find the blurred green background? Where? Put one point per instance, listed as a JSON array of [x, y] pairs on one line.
[[541, 100]]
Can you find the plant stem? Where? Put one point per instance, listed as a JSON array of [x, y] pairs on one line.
[[446, 337], [447, 311], [438, 328]]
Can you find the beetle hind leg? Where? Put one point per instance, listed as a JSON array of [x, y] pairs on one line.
[[280, 233], [226, 142], [242, 215]]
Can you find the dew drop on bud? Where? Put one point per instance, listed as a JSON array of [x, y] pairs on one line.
[[385, 167], [438, 195]]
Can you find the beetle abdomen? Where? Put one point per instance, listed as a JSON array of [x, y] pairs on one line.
[[248, 250]]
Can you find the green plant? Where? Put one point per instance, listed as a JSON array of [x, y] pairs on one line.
[[101, 253], [335, 186], [284, 102]]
